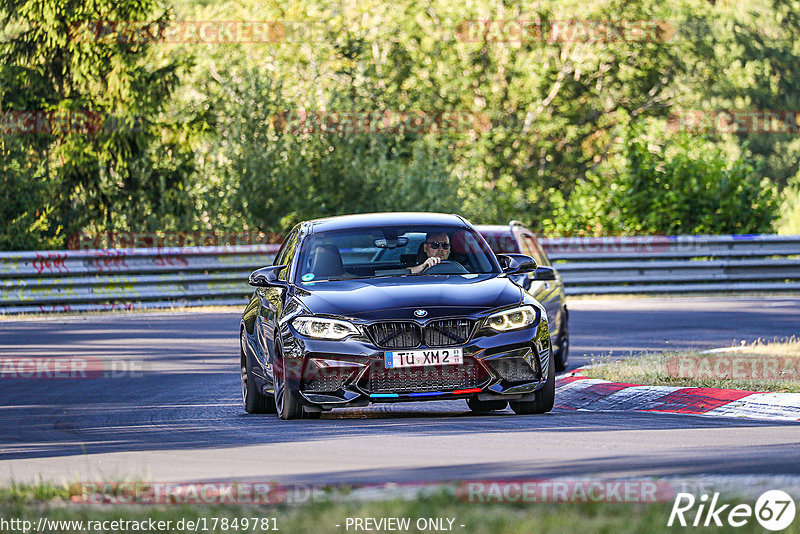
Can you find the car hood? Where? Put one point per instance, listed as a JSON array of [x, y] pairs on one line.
[[400, 297]]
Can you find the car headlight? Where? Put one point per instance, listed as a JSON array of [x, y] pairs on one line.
[[324, 328], [514, 319]]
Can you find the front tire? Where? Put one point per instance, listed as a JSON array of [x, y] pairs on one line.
[[545, 397], [252, 399], [286, 403], [560, 357]]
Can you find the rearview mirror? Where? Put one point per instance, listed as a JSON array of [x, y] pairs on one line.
[[391, 243], [543, 272], [516, 263], [267, 276]]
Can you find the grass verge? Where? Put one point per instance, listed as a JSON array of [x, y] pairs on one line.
[[768, 367], [33, 503]]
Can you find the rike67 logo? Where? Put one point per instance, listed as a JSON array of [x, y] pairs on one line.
[[774, 510]]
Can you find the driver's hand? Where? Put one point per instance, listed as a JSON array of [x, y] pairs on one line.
[[427, 264], [430, 262]]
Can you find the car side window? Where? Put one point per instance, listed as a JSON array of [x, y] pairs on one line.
[[281, 253], [531, 247], [502, 242], [286, 254]]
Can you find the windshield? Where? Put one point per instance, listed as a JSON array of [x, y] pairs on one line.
[[392, 251]]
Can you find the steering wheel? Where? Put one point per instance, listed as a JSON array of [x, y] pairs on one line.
[[446, 267]]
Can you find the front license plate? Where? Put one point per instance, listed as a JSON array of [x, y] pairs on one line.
[[417, 358]]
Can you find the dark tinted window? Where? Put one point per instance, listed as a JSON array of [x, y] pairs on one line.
[[385, 251], [286, 253], [531, 247], [501, 242]]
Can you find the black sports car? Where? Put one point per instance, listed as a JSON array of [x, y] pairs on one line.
[[393, 307]]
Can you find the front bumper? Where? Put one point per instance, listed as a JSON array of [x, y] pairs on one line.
[[327, 374]]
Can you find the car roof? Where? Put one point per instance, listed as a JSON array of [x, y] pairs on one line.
[[495, 228], [364, 220], [492, 228]]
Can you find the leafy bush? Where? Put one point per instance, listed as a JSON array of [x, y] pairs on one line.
[[274, 176], [789, 223], [686, 185]]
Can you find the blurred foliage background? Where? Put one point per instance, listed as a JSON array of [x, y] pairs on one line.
[[580, 139]]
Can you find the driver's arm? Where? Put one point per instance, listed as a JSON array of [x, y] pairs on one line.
[[430, 262]]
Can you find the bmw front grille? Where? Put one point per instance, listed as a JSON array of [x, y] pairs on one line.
[[410, 335]]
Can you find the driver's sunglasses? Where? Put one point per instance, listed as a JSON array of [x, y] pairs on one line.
[[436, 244]]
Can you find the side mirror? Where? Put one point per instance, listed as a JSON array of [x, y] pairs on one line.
[[544, 272], [267, 276], [513, 264]]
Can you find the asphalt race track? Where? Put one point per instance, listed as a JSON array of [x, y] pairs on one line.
[[173, 412]]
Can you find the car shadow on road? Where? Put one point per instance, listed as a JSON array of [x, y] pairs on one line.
[[172, 411]]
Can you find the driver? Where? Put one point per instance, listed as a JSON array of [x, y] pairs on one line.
[[437, 248]]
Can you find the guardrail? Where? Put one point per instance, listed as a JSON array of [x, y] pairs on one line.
[[676, 264], [83, 280]]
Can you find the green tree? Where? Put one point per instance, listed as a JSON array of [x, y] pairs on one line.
[[271, 173], [565, 150], [118, 169]]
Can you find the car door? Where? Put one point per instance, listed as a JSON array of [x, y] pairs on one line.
[[271, 301]]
